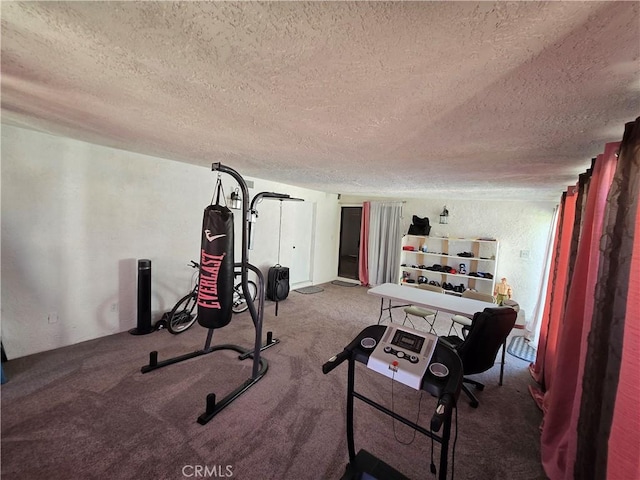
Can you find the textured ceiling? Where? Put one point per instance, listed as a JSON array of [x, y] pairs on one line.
[[404, 99]]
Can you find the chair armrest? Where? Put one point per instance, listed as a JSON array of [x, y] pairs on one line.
[[450, 341]]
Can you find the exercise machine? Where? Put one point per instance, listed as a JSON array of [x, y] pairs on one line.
[[416, 359], [216, 296]]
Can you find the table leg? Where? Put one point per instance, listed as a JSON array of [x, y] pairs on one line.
[[382, 309], [504, 350]]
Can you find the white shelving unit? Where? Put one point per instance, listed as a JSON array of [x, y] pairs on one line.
[[446, 252]]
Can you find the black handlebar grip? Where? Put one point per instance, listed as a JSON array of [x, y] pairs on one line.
[[334, 361], [444, 404]]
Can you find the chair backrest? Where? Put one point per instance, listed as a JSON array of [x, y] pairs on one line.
[[489, 329], [513, 304], [433, 288], [484, 297]]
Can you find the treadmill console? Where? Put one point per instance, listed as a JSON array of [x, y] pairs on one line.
[[403, 354]]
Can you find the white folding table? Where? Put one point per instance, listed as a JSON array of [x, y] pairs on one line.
[[426, 298]]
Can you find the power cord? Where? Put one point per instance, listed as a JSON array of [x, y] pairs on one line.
[[432, 467], [393, 410]]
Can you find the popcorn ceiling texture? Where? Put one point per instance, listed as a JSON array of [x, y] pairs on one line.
[[410, 99]]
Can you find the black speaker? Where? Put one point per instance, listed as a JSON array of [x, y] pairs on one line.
[[278, 283], [144, 299]]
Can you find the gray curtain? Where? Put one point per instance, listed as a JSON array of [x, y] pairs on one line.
[[385, 242], [533, 325]]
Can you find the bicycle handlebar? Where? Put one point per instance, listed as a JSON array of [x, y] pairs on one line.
[[193, 264]]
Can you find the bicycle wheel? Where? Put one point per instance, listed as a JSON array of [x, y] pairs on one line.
[[183, 315], [239, 302]]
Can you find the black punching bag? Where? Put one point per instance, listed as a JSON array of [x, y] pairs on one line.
[[144, 299], [215, 288]]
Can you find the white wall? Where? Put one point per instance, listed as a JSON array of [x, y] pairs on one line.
[[518, 226], [76, 217]]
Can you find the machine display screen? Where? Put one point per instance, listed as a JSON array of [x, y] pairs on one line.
[[408, 341]]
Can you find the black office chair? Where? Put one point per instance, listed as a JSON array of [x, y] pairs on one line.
[[488, 332]]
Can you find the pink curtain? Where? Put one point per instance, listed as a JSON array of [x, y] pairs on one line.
[[537, 368], [562, 396], [589, 351], [543, 369], [610, 403], [363, 256], [624, 441]]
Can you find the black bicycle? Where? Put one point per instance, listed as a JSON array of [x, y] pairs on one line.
[[185, 312], [239, 301]]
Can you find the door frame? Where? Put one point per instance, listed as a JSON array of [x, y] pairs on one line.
[[312, 211], [347, 279]]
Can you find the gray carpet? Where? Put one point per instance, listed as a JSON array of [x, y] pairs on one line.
[[86, 411]]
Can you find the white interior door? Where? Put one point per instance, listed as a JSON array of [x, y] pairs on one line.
[[296, 247]]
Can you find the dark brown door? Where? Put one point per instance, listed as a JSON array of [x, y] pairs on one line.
[[349, 242]]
